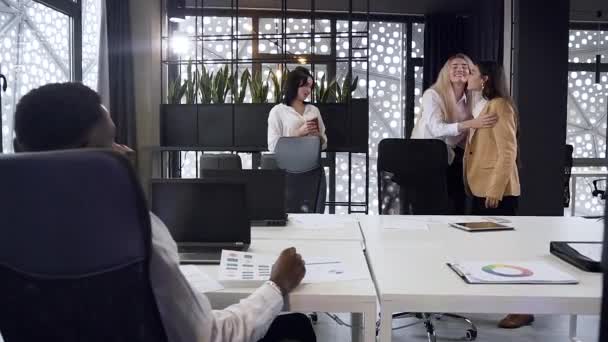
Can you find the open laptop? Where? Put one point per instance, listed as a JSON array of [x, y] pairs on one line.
[[266, 193], [203, 216]]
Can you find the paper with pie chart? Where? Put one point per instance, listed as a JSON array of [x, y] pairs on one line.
[[511, 272]]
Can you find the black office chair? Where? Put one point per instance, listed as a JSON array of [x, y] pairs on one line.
[[301, 159], [221, 161], [568, 161], [412, 177], [412, 180], [74, 248]]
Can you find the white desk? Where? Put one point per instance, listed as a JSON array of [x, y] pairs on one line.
[[312, 227], [356, 296], [421, 282]]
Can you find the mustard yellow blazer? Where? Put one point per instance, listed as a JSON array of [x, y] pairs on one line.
[[490, 167]]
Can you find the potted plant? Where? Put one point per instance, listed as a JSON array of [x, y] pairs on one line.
[[251, 119], [178, 119], [214, 115]]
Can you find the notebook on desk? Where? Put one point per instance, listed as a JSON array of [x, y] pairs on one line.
[[203, 216], [511, 272]]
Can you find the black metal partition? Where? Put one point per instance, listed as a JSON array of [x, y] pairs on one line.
[[192, 121]]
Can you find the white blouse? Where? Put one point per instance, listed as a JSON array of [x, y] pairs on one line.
[[284, 121], [431, 124]]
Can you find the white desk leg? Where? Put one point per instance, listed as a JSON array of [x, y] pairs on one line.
[[356, 326], [386, 326], [370, 324], [573, 328]]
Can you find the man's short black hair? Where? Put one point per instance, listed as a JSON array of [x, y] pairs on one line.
[[56, 116]]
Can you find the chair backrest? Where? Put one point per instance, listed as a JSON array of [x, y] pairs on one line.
[[301, 159], [568, 161], [74, 249], [223, 161], [412, 177]]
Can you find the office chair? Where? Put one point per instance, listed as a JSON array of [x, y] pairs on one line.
[[412, 177], [222, 161], [568, 161], [74, 249], [301, 159], [412, 180]]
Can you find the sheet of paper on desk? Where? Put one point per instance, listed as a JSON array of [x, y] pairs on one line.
[[239, 269], [199, 280], [325, 270], [592, 251]]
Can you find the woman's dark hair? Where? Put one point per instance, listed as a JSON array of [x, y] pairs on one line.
[[496, 83], [295, 79]]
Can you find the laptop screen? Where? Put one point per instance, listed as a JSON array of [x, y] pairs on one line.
[[266, 190], [202, 211]]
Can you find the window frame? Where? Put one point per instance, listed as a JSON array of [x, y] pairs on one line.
[[589, 67]]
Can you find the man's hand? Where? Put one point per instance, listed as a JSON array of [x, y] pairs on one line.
[[288, 271], [491, 202], [122, 149]]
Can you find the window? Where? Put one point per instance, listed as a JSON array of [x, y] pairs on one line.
[[392, 103], [40, 47], [587, 112]]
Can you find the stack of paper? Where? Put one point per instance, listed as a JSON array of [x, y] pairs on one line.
[[511, 272], [242, 269]]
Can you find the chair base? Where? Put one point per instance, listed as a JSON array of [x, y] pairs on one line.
[[428, 318]]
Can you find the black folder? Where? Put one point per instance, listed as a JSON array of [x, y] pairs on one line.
[[564, 251]]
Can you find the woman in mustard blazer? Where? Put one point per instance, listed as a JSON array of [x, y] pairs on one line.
[[490, 160]]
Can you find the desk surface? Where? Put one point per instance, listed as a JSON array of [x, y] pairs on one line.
[[410, 265], [343, 296], [312, 227]]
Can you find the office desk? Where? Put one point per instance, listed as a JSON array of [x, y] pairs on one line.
[[357, 296], [312, 227], [423, 283]]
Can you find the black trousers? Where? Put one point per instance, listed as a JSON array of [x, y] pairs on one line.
[[506, 207], [294, 327], [455, 179]]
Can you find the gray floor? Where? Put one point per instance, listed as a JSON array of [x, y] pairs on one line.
[[544, 329]]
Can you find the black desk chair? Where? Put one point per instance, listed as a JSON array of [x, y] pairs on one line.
[[412, 180], [568, 161], [412, 177], [74, 248], [301, 159]]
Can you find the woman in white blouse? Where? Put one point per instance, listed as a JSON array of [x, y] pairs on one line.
[[294, 117], [446, 115]]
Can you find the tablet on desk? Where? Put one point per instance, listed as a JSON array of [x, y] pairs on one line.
[[482, 226]]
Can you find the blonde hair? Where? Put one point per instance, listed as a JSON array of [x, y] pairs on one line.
[[443, 87]]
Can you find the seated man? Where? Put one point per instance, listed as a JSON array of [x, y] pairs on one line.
[[70, 115]]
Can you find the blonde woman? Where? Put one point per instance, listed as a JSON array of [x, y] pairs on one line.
[[446, 115]]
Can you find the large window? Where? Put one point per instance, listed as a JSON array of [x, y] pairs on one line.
[[587, 112], [395, 75], [41, 44]]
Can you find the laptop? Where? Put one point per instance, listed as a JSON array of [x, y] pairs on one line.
[[266, 193], [203, 216]]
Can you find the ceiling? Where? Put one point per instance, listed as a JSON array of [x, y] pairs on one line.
[[580, 9], [418, 7]]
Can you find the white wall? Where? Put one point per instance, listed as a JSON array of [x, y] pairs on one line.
[[145, 30]]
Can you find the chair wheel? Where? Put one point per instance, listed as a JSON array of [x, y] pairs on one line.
[[471, 335]]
